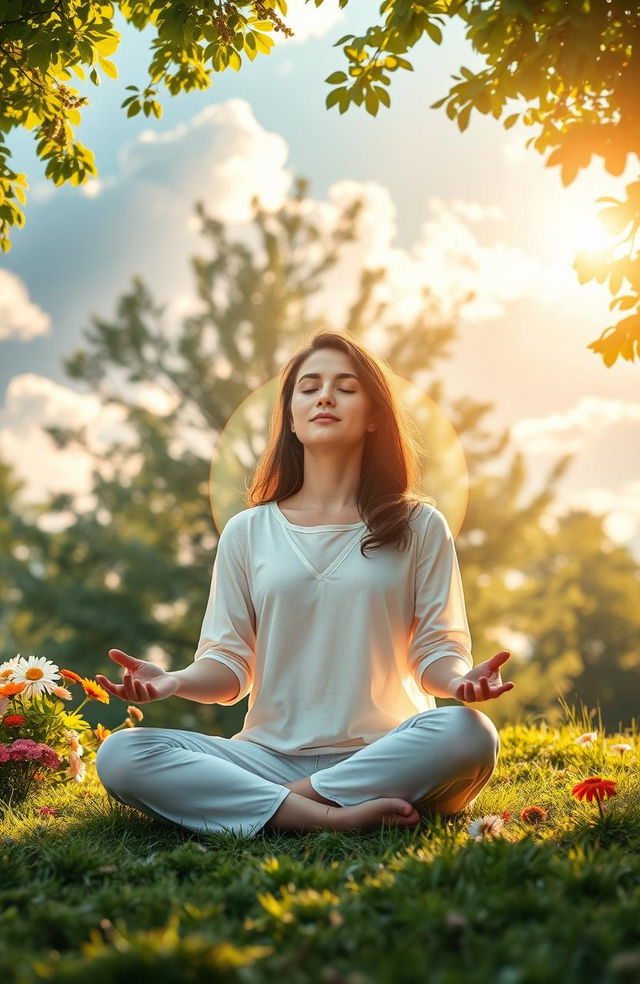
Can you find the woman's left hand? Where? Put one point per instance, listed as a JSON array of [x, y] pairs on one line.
[[483, 681]]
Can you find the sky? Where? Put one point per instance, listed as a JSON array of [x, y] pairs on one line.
[[454, 211]]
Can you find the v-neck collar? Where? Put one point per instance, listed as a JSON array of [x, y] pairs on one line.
[[328, 527]]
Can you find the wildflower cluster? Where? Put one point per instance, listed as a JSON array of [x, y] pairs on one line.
[[39, 739], [595, 788]]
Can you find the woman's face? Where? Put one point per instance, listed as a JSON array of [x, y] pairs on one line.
[[326, 381]]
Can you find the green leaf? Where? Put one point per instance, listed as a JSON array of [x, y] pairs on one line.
[[433, 31], [335, 96], [336, 77], [463, 117], [371, 102]]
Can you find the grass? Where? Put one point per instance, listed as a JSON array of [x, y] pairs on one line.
[[100, 893]]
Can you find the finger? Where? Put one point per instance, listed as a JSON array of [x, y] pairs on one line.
[[127, 683], [140, 690], [124, 659], [495, 662], [113, 688], [484, 687]]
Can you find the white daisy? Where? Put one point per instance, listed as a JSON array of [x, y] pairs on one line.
[[39, 674], [7, 669], [587, 738], [485, 826]]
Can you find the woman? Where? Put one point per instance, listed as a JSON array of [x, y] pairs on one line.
[[336, 646]]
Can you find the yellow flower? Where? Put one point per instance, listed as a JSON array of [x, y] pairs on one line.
[[94, 690], [101, 732], [135, 712]]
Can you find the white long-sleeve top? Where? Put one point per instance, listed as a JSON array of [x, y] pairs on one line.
[[331, 645]]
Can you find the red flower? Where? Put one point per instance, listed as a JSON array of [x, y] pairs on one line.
[[48, 811], [14, 720], [595, 788]]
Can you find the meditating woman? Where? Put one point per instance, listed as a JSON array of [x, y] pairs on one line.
[[337, 605]]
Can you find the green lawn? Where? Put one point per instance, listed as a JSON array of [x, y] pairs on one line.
[[101, 893]]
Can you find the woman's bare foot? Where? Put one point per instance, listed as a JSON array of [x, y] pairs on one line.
[[371, 814]]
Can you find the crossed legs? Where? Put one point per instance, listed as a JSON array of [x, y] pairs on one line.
[[437, 761]]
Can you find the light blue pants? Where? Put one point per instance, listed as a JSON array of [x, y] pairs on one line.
[[439, 760]]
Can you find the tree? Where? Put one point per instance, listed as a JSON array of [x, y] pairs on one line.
[[580, 604]]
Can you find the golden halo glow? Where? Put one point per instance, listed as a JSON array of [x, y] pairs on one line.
[[241, 441]]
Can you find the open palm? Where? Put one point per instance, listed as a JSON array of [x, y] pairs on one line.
[[483, 681], [141, 680]]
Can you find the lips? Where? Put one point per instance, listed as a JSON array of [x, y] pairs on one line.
[[324, 416]]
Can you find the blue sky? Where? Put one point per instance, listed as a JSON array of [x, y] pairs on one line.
[[453, 210]]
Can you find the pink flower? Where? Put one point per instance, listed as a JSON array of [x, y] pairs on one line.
[[61, 692], [48, 811], [25, 749], [76, 768]]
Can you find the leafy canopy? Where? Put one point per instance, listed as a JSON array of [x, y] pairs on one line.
[[574, 63]]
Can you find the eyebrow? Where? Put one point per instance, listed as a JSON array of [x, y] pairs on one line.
[[339, 375]]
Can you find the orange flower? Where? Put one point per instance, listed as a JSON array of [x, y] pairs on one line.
[[70, 675], [101, 732], [505, 815], [39, 776], [11, 689], [135, 712], [94, 690], [595, 788], [14, 720], [533, 814]]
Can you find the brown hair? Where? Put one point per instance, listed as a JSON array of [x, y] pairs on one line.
[[389, 488]]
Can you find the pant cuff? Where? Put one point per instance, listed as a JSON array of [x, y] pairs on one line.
[[280, 798], [319, 788]]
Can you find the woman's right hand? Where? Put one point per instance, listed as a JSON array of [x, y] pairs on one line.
[[142, 681]]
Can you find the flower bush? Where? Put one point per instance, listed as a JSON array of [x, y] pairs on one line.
[[40, 740]]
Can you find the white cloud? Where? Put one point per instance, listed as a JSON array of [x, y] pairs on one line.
[[19, 317], [575, 428], [33, 402], [309, 21], [221, 157]]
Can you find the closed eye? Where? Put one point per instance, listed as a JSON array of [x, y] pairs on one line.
[[339, 390]]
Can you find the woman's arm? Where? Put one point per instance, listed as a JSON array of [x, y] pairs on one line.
[[207, 681]]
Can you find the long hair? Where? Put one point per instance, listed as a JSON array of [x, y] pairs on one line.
[[388, 490]]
